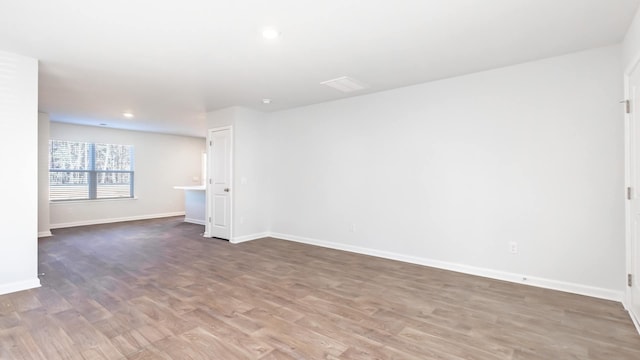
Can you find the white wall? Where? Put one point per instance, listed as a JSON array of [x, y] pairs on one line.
[[631, 44], [251, 147], [19, 149], [161, 162], [250, 174], [448, 173], [43, 175]]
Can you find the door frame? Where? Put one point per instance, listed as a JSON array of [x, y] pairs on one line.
[[627, 301], [208, 191]]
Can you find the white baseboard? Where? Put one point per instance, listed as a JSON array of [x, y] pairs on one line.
[[194, 221], [113, 220], [244, 238], [45, 234], [19, 286], [466, 269], [634, 317]]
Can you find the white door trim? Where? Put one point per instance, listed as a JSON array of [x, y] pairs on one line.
[[209, 192], [627, 204]]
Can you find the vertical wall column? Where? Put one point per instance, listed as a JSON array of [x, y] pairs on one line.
[[19, 180]]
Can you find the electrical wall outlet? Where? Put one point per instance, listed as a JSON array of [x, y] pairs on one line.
[[513, 247]]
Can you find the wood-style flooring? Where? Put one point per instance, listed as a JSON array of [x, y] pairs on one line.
[[157, 290]]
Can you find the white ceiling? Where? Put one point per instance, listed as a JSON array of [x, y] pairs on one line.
[[169, 62]]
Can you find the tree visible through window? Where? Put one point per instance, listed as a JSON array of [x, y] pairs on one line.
[[80, 170]]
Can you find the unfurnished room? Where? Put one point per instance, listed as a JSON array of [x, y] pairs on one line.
[[437, 179]]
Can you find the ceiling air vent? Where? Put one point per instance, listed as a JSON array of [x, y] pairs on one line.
[[345, 84]]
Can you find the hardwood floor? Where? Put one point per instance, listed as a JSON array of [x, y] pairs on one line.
[[157, 290]]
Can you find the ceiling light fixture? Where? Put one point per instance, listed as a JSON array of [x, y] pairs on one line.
[[266, 101], [270, 33], [128, 115]]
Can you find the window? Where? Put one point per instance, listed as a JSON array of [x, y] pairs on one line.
[[82, 171]]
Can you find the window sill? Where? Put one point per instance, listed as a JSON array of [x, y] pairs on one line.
[[62, 202]]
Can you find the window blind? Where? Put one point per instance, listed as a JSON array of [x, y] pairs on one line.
[[82, 170]]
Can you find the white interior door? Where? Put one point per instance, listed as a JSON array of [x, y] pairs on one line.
[[634, 192], [220, 184]]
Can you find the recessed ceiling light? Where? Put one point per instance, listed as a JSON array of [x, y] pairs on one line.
[[127, 114], [266, 101], [270, 33]]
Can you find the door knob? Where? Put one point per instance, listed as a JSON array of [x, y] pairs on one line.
[[226, 189]]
